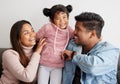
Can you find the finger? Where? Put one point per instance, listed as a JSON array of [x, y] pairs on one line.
[[44, 43], [65, 56], [62, 56], [41, 41]]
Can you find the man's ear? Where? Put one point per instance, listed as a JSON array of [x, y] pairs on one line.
[[93, 33]]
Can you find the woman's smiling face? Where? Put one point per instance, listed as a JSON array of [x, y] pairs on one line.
[[28, 36]]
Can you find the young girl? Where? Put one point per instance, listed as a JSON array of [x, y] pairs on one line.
[[57, 34]]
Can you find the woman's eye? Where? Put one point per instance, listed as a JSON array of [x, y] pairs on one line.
[[25, 33]]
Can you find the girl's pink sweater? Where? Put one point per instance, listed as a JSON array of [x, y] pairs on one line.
[[57, 40]]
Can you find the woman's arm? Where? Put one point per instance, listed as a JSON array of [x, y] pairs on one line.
[[12, 63]]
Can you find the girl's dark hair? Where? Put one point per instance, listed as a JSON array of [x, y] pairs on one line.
[[57, 8], [15, 35]]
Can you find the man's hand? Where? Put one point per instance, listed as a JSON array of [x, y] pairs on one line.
[[66, 55]]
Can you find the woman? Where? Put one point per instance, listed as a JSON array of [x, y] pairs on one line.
[[20, 63]]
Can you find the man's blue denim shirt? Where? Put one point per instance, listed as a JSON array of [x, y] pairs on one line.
[[98, 66]]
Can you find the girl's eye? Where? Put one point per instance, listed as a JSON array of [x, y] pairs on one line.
[[57, 19]]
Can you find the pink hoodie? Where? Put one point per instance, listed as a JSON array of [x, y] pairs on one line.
[[57, 40]]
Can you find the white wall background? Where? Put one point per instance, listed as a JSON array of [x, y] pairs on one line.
[[31, 10]]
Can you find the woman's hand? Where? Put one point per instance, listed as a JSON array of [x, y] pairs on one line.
[[40, 45]]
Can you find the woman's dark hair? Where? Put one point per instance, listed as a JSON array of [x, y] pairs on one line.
[[91, 21], [15, 35], [57, 8]]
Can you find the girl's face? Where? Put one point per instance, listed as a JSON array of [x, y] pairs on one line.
[[28, 36], [61, 20]]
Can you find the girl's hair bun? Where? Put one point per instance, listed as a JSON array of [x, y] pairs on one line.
[[46, 12], [69, 8]]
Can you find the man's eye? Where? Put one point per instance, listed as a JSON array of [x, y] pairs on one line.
[[64, 17]]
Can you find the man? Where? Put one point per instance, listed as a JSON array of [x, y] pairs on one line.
[[98, 60], [70, 67]]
